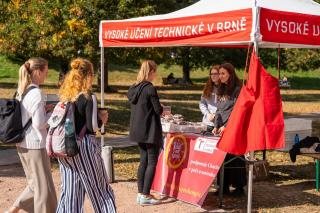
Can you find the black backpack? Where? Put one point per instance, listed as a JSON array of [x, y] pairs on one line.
[[11, 128]]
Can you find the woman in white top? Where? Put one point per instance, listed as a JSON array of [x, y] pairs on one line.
[[208, 102], [39, 196]]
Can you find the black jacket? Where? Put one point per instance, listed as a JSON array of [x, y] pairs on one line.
[[145, 123]]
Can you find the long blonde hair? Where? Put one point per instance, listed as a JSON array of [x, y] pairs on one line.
[[77, 80], [30, 70], [147, 67]]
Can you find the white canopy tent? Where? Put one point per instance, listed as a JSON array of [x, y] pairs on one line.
[[288, 23], [220, 23]]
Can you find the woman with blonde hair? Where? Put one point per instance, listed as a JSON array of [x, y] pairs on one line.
[[84, 173], [209, 98], [39, 195], [145, 128]]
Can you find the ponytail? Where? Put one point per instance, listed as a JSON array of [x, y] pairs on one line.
[[147, 67], [24, 78], [28, 71]]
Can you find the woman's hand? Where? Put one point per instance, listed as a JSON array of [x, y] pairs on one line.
[[215, 131], [104, 117], [221, 130], [211, 117]]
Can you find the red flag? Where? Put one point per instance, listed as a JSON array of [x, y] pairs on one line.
[[256, 122]]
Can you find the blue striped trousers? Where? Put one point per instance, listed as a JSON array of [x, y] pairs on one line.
[[85, 174]]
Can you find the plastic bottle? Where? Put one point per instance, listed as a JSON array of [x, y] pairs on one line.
[[296, 139], [68, 127]]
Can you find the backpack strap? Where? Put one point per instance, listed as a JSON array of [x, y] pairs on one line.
[[84, 128], [28, 124], [49, 143], [25, 92]]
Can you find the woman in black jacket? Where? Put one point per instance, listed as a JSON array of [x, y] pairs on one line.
[[145, 128], [228, 92]]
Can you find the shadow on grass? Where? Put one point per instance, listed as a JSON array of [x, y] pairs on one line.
[[128, 160], [9, 85], [121, 68], [182, 96], [7, 146], [267, 196], [126, 180], [119, 116], [126, 150], [292, 172], [301, 97], [306, 83], [164, 87], [15, 170], [200, 80]]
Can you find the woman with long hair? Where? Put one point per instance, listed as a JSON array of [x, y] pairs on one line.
[[145, 128], [228, 92], [209, 98], [84, 173], [40, 194]]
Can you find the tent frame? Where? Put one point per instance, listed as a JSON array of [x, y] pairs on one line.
[[250, 176], [255, 34]]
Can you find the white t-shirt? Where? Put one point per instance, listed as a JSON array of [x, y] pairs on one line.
[[33, 106]]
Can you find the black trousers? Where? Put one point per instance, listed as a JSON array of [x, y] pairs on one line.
[[148, 161], [235, 177]]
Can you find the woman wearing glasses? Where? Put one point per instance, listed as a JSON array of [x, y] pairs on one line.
[[208, 102]]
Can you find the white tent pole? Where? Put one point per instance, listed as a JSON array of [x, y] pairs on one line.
[[102, 89], [256, 35], [251, 157]]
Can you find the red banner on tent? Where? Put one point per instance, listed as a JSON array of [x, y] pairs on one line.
[[232, 26], [287, 27], [187, 167]]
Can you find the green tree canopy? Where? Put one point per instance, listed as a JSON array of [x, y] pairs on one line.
[[64, 29]]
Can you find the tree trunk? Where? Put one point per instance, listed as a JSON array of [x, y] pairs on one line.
[[186, 66], [64, 67]]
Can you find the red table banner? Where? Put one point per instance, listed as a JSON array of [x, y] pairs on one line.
[[287, 27], [228, 27], [187, 167]]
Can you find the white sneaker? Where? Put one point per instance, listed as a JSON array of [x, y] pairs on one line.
[[148, 201]]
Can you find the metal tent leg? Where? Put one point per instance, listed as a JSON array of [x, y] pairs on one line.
[[102, 90], [250, 180], [221, 185], [317, 174]]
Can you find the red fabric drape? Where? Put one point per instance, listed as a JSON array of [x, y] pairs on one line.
[[256, 122]]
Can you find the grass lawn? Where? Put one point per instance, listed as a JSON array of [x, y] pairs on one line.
[[303, 97]]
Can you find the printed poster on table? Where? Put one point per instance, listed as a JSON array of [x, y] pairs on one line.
[[187, 167]]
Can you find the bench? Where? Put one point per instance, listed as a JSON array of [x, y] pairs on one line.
[[316, 157], [107, 152]]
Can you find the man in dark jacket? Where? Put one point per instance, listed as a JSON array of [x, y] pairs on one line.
[[145, 128]]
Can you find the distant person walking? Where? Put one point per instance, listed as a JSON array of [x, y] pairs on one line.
[[145, 128], [84, 173], [39, 196]]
